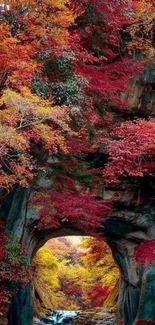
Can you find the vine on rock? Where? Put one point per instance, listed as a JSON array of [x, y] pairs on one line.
[[145, 252]]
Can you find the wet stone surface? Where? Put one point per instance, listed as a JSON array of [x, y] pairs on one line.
[[89, 317], [96, 317], [57, 317]]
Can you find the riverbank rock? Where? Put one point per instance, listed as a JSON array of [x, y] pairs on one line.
[[36, 321], [55, 317], [96, 317]]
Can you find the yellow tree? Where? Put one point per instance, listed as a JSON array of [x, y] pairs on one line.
[[46, 281], [27, 120]]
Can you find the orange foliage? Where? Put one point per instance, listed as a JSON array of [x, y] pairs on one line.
[[26, 119], [36, 27], [142, 27]]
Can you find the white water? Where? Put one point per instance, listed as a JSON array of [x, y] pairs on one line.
[[57, 317]]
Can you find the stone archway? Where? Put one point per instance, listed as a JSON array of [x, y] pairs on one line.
[[137, 285]]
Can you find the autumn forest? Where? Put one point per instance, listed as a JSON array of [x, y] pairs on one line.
[[77, 161]]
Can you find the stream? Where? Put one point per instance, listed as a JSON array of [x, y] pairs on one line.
[[57, 317], [102, 316]]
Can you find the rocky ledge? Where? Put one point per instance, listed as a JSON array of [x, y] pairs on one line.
[[96, 317]]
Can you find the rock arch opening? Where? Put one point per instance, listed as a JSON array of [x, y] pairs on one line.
[[122, 235], [74, 273]]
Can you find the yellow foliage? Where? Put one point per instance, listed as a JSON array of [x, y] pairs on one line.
[[55, 276], [25, 117], [46, 282], [51, 139], [46, 267], [112, 297], [100, 263], [26, 104], [12, 138], [44, 258], [141, 29]]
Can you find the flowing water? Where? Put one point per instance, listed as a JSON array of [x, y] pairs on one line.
[[102, 316], [57, 317]]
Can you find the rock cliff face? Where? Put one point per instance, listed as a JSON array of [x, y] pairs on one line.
[[123, 232]]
